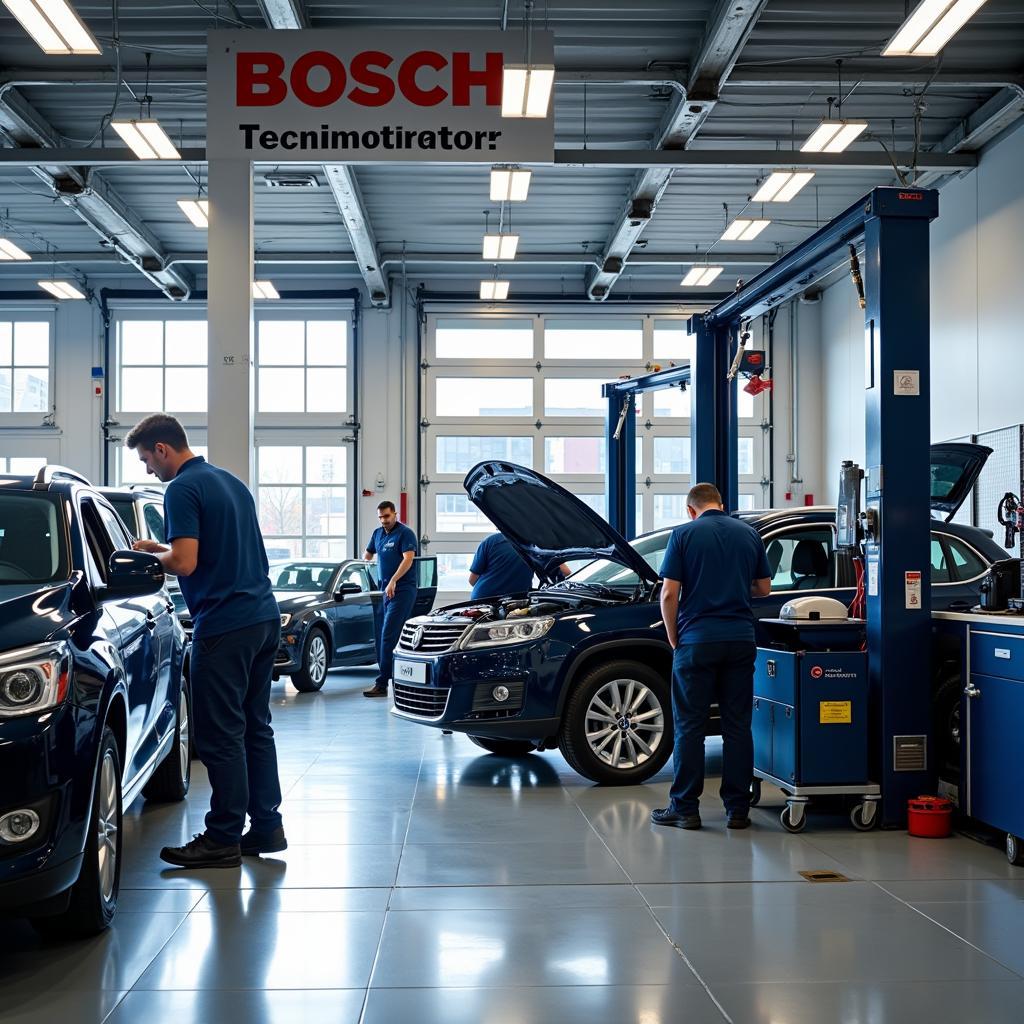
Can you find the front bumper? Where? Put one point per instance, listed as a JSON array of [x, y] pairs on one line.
[[453, 690], [47, 763]]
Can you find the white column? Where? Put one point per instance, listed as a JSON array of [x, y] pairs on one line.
[[229, 311]]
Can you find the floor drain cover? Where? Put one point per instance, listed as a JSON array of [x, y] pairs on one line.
[[824, 876]]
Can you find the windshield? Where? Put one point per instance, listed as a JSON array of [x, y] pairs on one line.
[[614, 574], [302, 575], [32, 545]]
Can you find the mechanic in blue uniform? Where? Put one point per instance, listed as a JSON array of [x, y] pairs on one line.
[[712, 568], [498, 570], [394, 545], [216, 550]]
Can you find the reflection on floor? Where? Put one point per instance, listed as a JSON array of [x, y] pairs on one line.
[[429, 882]]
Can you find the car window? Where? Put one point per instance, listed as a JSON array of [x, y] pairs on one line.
[[97, 539], [940, 567], [802, 559], [154, 516], [299, 576], [966, 560], [31, 540], [358, 577], [125, 509]]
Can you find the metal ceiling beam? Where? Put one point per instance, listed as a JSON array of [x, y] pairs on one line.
[[622, 159], [342, 180], [824, 77], [98, 205], [730, 25], [283, 13]]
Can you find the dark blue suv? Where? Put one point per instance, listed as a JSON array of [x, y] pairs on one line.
[[94, 709], [584, 664]]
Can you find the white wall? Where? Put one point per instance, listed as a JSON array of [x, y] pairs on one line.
[[977, 252]]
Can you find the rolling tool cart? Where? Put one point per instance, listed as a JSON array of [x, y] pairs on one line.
[[810, 716]]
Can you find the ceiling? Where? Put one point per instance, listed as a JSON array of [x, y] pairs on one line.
[[774, 91]]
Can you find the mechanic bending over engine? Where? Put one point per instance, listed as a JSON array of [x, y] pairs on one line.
[[498, 570]]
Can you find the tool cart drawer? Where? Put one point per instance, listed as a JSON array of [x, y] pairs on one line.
[[997, 654]]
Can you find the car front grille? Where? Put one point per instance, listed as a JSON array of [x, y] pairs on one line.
[[437, 637], [283, 656], [423, 701]]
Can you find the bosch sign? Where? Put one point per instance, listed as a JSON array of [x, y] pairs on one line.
[[369, 96]]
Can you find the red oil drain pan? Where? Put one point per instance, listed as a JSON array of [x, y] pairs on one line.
[[930, 817]]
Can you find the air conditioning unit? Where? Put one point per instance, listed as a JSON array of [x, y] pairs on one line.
[[291, 180]]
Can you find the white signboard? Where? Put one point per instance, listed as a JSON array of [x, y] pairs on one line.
[[370, 97]]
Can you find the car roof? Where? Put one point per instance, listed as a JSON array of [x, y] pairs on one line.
[[142, 490]]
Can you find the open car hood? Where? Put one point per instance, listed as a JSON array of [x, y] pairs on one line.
[[545, 523], [955, 467]]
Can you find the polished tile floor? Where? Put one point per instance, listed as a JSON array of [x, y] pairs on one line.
[[429, 882]]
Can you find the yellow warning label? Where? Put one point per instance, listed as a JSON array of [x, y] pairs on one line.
[[835, 712]]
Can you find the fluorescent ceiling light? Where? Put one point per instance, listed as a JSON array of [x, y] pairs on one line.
[[264, 290], [197, 211], [932, 25], [701, 276], [61, 289], [744, 230], [146, 139], [54, 25], [500, 247], [494, 289], [833, 136], [509, 185], [526, 90], [9, 251], [781, 186]]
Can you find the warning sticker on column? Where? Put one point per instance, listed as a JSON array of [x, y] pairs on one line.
[[912, 589], [835, 712], [872, 577]]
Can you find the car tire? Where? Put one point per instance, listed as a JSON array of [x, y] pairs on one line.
[[93, 899], [504, 748], [172, 778], [316, 660], [946, 726], [596, 752]]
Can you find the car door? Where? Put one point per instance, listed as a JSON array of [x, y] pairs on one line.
[[136, 642], [426, 583], [957, 573], [353, 616]]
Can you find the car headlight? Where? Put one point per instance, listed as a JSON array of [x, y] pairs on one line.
[[285, 619], [33, 679], [492, 634]]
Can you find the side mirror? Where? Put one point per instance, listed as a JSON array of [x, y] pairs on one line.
[[347, 588], [132, 574]]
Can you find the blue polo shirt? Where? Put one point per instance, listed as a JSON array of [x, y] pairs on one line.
[[230, 587], [715, 558], [389, 548], [500, 569]]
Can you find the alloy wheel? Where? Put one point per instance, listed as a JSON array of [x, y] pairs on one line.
[[625, 723], [107, 827], [317, 658], [184, 735]]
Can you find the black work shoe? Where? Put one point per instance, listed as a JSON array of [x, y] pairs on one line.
[[736, 821], [376, 691], [255, 843], [202, 852], [666, 816]]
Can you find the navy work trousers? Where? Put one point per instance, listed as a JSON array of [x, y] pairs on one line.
[[702, 673], [231, 675], [388, 621]]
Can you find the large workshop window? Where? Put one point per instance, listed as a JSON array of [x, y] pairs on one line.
[[26, 357], [526, 388], [304, 430]]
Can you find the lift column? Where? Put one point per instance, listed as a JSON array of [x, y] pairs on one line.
[[897, 489], [713, 424]]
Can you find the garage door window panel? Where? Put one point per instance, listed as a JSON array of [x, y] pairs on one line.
[[587, 341], [458, 454], [25, 369], [162, 364], [302, 366], [483, 340]]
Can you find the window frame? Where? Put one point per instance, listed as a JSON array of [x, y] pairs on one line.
[[47, 314]]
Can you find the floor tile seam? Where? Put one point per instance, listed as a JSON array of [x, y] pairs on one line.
[[153, 959], [960, 938], [391, 891], [123, 997], [657, 923]]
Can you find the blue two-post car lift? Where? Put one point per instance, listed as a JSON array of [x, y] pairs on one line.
[[894, 225]]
